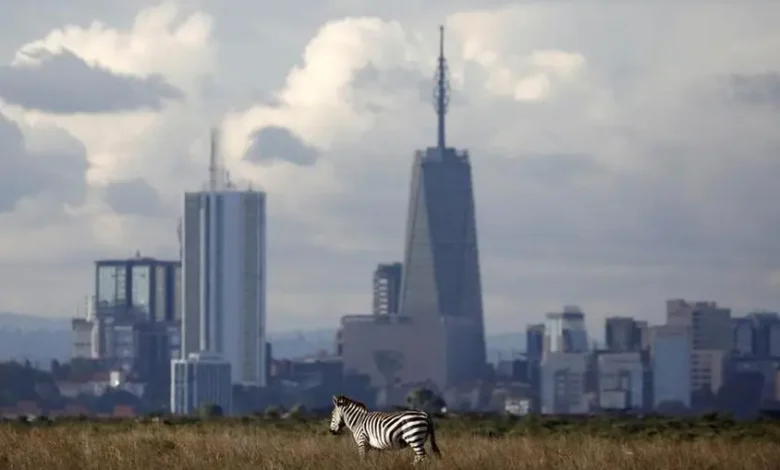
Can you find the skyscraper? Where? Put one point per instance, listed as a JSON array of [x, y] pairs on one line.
[[224, 277], [441, 287]]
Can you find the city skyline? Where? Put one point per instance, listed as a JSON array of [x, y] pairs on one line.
[[603, 179]]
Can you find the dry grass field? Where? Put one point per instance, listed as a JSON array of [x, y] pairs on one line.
[[137, 446]]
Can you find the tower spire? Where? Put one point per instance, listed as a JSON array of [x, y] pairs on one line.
[[441, 93], [213, 163]]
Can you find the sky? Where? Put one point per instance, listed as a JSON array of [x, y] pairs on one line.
[[622, 153]]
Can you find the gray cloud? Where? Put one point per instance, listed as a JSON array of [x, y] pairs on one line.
[[54, 163], [133, 197], [759, 89], [63, 83], [278, 143]]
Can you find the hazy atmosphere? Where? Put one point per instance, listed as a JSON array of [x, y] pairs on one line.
[[622, 154]]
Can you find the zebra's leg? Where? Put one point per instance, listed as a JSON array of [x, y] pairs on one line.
[[419, 452], [363, 447]]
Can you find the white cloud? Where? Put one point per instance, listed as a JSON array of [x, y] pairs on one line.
[[162, 41]]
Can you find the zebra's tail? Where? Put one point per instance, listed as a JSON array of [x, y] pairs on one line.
[[432, 432]]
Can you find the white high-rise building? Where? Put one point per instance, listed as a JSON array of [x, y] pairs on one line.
[[224, 280]]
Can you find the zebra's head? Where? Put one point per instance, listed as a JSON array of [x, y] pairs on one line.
[[337, 416]]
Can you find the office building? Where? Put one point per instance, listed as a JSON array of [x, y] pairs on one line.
[[139, 287], [623, 334], [563, 383], [565, 332], [712, 339], [709, 323], [152, 359], [671, 348], [708, 369], [620, 380], [200, 379], [441, 288], [387, 289], [224, 266], [128, 291]]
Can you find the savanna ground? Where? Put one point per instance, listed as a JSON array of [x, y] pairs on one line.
[[497, 443]]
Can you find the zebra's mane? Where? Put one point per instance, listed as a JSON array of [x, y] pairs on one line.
[[343, 400]]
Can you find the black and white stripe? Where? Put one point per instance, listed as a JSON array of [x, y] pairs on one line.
[[383, 431]]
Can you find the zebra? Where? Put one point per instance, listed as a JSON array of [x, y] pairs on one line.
[[383, 431]]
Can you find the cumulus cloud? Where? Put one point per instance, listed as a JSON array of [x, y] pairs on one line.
[[64, 83], [167, 48], [620, 156]]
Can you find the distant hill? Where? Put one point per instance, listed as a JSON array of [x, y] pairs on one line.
[[34, 338], [41, 339]]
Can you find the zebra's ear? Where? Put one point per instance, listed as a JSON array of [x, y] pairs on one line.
[[335, 401]]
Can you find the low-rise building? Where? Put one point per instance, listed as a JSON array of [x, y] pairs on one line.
[[200, 379]]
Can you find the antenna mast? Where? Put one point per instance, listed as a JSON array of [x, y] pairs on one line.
[[214, 166], [441, 93]]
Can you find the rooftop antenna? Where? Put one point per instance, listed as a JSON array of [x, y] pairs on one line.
[[213, 161], [441, 93]]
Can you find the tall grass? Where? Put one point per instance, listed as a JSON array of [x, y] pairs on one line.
[[88, 446]]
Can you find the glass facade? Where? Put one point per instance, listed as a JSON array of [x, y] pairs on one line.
[[177, 299], [111, 285], [441, 274], [671, 364], [144, 287], [141, 289], [160, 293]]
